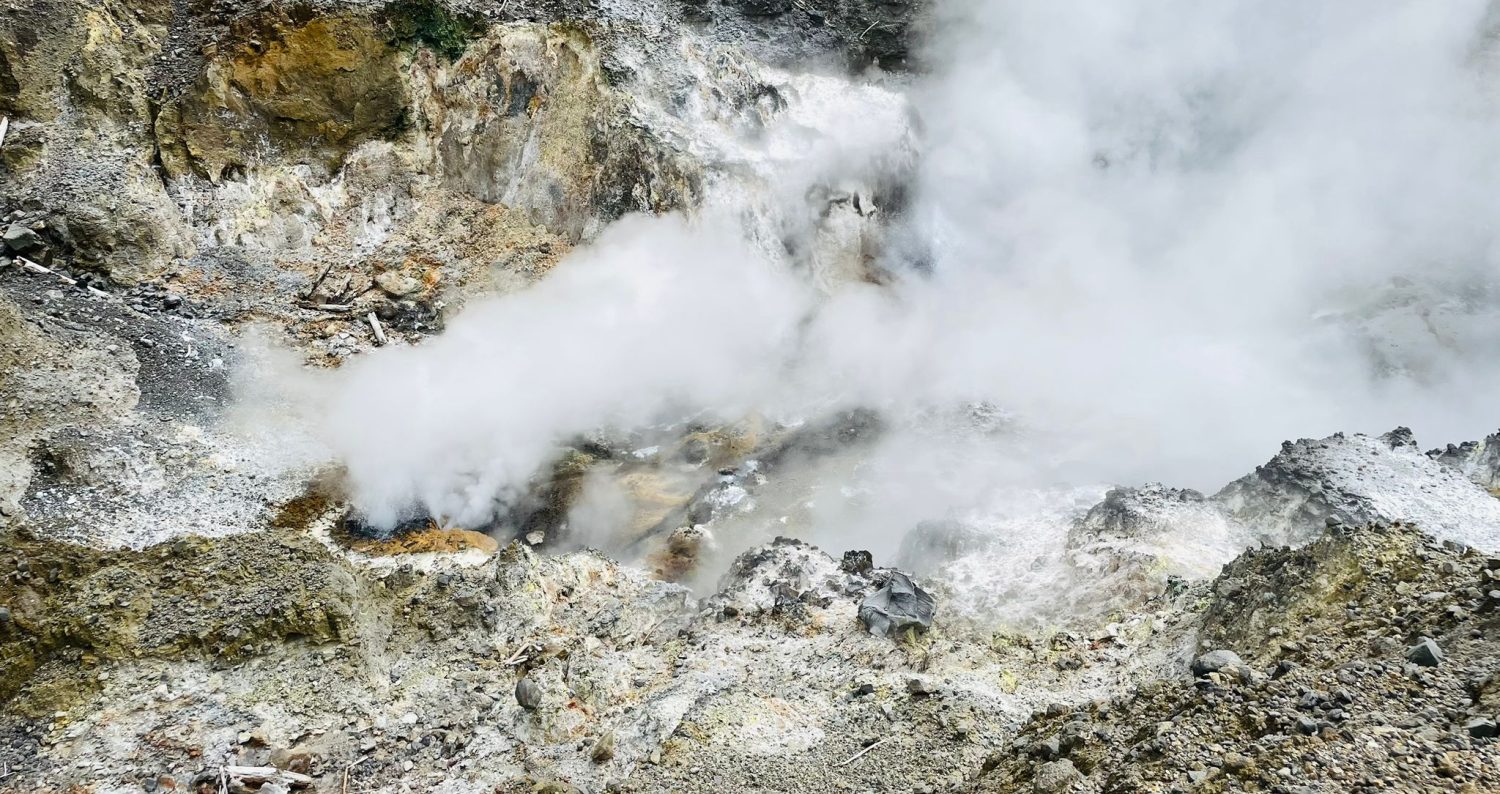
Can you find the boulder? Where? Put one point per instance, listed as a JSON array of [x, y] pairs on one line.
[[1224, 662], [528, 693], [897, 606], [1425, 653], [21, 240]]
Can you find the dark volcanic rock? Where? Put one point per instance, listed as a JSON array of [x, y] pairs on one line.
[[528, 693], [1425, 653], [897, 606], [21, 240]]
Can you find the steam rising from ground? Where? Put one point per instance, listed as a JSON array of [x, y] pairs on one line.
[[1163, 236]]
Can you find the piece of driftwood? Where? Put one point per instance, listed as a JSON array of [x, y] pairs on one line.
[[314, 291], [851, 759], [375, 326], [267, 774]]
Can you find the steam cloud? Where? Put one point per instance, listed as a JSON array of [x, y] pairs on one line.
[[1163, 236]]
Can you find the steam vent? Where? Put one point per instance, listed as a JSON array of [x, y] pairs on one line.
[[721, 396]]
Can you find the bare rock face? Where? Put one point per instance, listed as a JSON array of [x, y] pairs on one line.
[[1477, 460], [74, 84], [880, 33], [52, 382], [281, 88], [1355, 479]]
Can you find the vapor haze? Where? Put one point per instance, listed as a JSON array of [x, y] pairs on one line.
[[1161, 236]]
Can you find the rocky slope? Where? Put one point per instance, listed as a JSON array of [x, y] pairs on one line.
[[188, 604]]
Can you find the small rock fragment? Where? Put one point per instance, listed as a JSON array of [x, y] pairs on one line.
[[528, 693], [917, 686], [604, 749]]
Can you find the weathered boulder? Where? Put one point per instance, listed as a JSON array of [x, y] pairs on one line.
[[1221, 661], [21, 240], [899, 605]]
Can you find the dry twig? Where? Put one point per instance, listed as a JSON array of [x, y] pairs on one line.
[[851, 759]]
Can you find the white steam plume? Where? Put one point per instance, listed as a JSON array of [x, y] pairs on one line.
[[656, 319], [1165, 235]]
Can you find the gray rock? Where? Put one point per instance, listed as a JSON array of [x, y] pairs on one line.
[[604, 749], [1425, 653], [1477, 460], [1220, 661], [1360, 480], [896, 607], [21, 240], [1056, 777], [1400, 438], [528, 693], [1047, 749], [1482, 728], [918, 686]]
